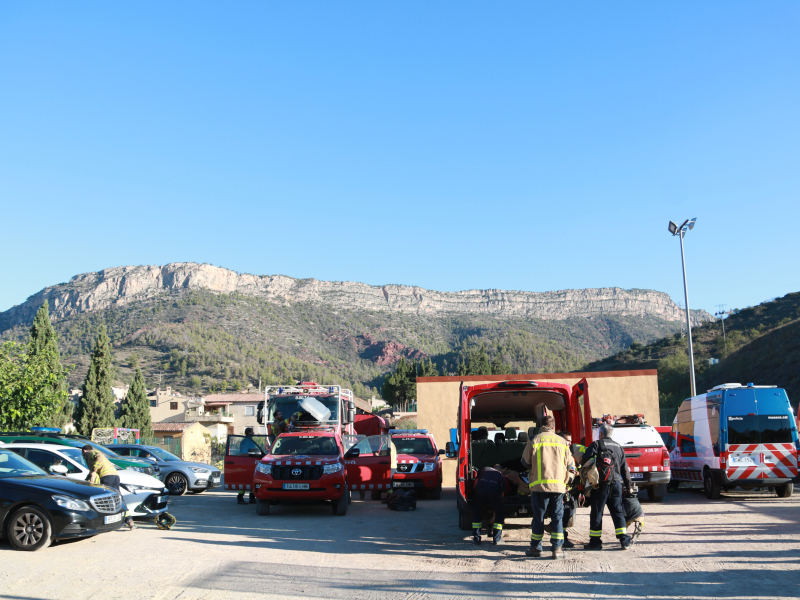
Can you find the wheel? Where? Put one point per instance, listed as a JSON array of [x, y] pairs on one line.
[[464, 521], [712, 489], [198, 491], [437, 493], [653, 495], [673, 485], [375, 494], [262, 507], [340, 505], [177, 484], [29, 529], [784, 491]]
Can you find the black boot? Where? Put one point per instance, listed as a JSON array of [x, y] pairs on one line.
[[567, 543], [533, 552], [252, 498], [240, 499], [129, 523], [476, 536], [497, 534]]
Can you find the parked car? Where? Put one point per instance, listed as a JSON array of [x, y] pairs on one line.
[[144, 495], [120, 462], [178, 475], [418, 464], [37, 508]]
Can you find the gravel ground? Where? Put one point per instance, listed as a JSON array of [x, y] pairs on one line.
[[745, 545]]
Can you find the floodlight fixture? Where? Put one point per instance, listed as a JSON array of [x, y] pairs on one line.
[[673, 228]]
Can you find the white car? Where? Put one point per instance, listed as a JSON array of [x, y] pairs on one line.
[[144, 495]]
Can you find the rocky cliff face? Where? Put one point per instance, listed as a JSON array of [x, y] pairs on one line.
[[122, 285]]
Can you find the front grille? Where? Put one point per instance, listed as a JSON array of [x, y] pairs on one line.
[[410, 468], [107, 503], [305, 472]]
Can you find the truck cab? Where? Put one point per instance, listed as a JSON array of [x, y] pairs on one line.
[[517, 405]]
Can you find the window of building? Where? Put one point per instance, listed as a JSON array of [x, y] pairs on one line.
[[173, 406], [249, 411], [153, 403]]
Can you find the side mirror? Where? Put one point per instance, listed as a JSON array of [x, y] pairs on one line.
[[441, 451], [60, 469], [450, 450], [255, 452], [353, 453], [351, 415], [260, 413]]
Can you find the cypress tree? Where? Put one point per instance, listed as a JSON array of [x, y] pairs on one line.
[[96, 408], [136, 408], [43, 345]]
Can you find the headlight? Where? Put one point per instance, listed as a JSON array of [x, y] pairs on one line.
[[200, 470], [428, 467], [135, 489], [334, 468], [71, 503], [264, 468]]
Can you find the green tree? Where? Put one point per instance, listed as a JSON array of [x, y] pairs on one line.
[[135, 409], [44, 343], [428, 369], [96, 408], [195, 382], [478, 362], [31, 392], [499, 367], [400, 387]]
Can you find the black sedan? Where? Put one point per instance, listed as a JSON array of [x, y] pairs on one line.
[[36, 508]]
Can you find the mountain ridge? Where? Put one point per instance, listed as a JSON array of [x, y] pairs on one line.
[[118, 286]]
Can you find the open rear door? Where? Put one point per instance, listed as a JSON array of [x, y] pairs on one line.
[[583, 412], [371, 470]]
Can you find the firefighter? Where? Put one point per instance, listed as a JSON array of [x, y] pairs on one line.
[[102, 472], [279, 425], [247, 444], [548, 457], [489, 490], [608, 493]]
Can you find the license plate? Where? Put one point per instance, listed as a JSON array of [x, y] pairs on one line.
[[162, 499], [113, 518], [214, 480], [296, 486], [742, 460], [637, 475], [403, 484]]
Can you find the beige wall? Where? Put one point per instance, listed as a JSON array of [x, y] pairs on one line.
[[194, 445], [240, 421], [162, 412], [610, 392]]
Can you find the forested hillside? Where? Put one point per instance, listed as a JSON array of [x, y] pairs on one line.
[[761, 345], [200, 341]]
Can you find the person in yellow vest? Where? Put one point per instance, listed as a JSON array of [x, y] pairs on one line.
[[548, 457], [102, 472], [279, 425]]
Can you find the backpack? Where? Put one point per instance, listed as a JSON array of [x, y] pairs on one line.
[[402, 500], [605, 463]]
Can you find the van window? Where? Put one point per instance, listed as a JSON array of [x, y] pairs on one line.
[[761, 429], [686, 438]]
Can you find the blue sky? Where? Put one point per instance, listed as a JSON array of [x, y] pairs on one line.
[[447, 145]]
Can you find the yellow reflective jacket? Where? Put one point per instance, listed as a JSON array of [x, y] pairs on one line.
[[97, 463], [549, 458]]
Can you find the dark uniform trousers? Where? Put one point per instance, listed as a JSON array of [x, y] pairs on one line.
[[611, 496], [488, 493], [570, 506], [542, 504]]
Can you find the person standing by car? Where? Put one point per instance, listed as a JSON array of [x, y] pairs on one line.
[[103, 472], [247, 444], [612, 467], [548, 457]]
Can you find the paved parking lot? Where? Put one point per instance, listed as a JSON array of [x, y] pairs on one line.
[[743, 546]]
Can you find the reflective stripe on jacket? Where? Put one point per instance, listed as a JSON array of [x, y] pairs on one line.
[[97, 463], [549, 458]]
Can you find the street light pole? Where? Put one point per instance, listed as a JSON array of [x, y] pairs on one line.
[[681, 231]]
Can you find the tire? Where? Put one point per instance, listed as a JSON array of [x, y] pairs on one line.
[[711, 489], [784, 491], [375, 495], [262, 507], [436, 494], [464, 521], [176, 483], [652, 494], [340, 505], [29, 529]]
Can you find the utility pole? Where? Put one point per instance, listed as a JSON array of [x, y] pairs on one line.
[[687, 225]]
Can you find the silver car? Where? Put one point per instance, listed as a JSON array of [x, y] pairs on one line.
[[179, 476]]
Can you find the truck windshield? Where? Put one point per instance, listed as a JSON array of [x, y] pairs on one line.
[[411, 445], [305, 444], [761, 429], [288, 406]]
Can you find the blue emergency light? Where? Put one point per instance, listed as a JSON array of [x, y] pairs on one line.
[[46, 429], [407, 431]]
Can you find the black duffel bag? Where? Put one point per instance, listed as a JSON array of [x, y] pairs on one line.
[[404, 500]]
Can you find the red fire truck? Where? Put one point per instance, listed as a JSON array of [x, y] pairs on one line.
[[523, 404]]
